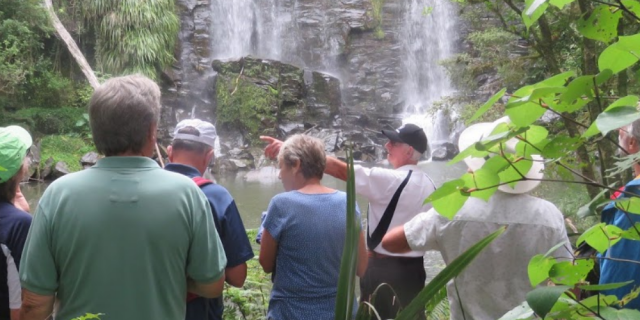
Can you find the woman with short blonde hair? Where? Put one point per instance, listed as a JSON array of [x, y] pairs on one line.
[[304, 235]]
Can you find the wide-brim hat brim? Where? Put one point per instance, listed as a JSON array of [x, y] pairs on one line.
[[481, 131]]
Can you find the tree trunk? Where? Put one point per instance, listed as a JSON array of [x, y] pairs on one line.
[[64, 35]]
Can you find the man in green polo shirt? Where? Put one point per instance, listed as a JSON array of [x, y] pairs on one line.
[[123, 238]]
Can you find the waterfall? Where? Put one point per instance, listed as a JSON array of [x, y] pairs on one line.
[[427, 36], [396, 75]]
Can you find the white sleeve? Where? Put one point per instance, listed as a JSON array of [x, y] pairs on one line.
[[377, 183], [422, 231], [13, 280]]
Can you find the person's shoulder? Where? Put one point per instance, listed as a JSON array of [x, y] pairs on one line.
[[12, 215], [217, 190]]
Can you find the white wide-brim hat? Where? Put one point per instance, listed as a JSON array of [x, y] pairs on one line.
[[481, 131]]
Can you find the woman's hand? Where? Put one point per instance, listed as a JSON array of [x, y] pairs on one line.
[[271, 151]]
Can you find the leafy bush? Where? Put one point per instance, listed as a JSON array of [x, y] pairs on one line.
[[246, 106], [65, 148]]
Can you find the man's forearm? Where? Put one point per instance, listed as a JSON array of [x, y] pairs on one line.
[[336, 168], [35, 306]]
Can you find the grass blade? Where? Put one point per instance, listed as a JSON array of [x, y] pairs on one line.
[[347, 279]]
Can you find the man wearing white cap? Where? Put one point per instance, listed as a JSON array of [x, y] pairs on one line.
[[497, 280], [14, 222], [190, 155], [395, 197]]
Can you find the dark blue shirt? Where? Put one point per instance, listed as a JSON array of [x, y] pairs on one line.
[[14, 227], [619, 271], [232, 233]]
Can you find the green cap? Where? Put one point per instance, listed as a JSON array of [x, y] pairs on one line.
[[14, 143]]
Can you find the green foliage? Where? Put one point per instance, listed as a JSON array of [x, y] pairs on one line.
[[132, 36], [89, 316], [578, 98], [347, 279], [65, 148], [245, 106], [42, 121], [250, 301]]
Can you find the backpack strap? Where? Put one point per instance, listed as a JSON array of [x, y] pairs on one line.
[[201, 182], [375, 238]]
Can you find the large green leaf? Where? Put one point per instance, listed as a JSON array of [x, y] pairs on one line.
[[440, 281], [525, 112], [485, 107], [616, 118], [481, 179], [535, 138], [541, 300], [538, 269], [628, 101], [559, 146], [601, 236], [621, 54], [515, 171], [521, 312], [610, 118], [630, 205], [619, 314], [601, 24], [608, 286], [632, 233], [633, 6], [446, 189], [570, 272], [347, 278], [581, 91], [533, 10], [560, 3]]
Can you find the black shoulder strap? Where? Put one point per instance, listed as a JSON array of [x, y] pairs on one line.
[[375, 238]]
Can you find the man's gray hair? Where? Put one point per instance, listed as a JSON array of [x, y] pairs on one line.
[[633, 129], [416, 156], [306, 149], [122, 111]]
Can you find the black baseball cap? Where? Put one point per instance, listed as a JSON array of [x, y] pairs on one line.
[[410, 134]]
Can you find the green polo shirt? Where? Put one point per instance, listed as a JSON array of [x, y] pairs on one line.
[[121, 239]]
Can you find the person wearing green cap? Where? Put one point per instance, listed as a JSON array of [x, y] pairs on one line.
[[14, 144]]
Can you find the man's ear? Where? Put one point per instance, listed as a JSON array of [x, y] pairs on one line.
[[170, 153], [209, 156], [296, 166], [634, 146]]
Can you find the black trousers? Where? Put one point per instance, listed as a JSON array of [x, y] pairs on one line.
[[405, 275]]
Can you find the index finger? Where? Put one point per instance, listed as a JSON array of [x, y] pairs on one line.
[[268, 139]]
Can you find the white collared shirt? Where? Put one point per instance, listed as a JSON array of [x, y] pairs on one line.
[[379, 185], [497, 280]]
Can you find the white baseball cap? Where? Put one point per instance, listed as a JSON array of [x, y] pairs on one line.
[[206, 132]]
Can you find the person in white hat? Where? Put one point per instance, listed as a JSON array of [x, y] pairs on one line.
[[497, 280], [14, 222], [190, 154]]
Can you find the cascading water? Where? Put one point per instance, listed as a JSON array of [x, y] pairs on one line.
[[396, 75], [427, 36]]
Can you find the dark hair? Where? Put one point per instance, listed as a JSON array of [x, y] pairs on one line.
[[9, 188], [188, 145]]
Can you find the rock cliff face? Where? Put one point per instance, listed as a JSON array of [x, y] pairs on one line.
[[285, 66]]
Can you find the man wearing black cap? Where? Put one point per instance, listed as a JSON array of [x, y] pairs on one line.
[[395, 197]]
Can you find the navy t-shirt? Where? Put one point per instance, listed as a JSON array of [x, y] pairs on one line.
[[232, 233], [14, 227]]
